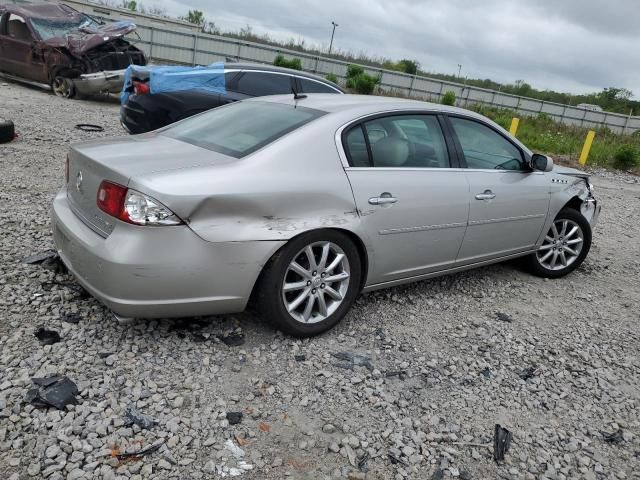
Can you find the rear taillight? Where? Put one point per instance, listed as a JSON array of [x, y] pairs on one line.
[[141, 88], [133, 207], [66, 170]]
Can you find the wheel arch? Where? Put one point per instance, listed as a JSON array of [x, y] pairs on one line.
[[575, 203], [354, 237]]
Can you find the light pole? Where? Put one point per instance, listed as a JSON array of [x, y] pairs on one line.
[[332, 34], [459, 69]]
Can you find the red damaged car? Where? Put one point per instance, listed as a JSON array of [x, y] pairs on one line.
[[59, 46]]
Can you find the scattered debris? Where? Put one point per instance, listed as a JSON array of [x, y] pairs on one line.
[[501, 442], [105, 354], [614, 438], [134, 416], [349, 360], [233, 339], [264, 427], [437, 475], [89, 127], [362, 463], [401, 374], [486, 372], [46, 337], [396, 459], [504, 317], [300, 358], [234, 417], [140, 453], [55, 391], [71, 318], [49, 259], [529, 372]]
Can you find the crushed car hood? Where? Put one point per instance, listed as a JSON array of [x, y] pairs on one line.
[[81, 40], [570, 171]]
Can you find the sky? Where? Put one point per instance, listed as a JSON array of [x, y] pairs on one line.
[[575, 46]]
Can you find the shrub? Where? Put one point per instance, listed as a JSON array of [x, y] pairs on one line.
[[332, 77], [449, 98], [354, 71], [281, 61], [626, 157]]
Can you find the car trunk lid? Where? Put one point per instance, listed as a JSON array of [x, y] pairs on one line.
[[117, 160]]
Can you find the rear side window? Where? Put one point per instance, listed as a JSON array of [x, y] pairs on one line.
[[242, 127], [311, 86], [258, 84]]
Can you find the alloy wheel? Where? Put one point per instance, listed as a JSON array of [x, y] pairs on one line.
[[562, 245], [316, 282], [62, 87]]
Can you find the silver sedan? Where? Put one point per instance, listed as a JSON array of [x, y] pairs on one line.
[[302, 203]]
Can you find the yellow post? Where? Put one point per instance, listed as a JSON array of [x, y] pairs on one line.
[[587, 146], [514, 126]]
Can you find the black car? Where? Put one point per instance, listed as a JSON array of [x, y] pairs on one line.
[[143, 111]]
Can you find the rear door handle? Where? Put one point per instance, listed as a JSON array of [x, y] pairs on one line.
[[384, 199], [487, 195]]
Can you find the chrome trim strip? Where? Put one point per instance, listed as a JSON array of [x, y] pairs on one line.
[[506, 219], [392, 231]]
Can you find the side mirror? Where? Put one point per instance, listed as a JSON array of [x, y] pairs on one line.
[[542, 163]]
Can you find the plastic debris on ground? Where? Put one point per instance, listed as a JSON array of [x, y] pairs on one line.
[[140, 453], [46, 337], [501, 442], [134, 416], [49, 259], [234, 417], [233, 339], [56, 391], [504, 317], [241, 465], [349, 360], [614, 438]]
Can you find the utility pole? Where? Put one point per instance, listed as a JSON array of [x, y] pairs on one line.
[[459, 69], [332, 34]]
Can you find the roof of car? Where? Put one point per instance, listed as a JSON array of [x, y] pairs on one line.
[[40, 10], [366, 103], [273, 68]]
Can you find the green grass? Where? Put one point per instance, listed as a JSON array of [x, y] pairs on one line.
[[544, 135]]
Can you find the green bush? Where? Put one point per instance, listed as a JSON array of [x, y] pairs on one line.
[[449, 98], [332, 78], [281, 61], [626, 158], [354, 71]]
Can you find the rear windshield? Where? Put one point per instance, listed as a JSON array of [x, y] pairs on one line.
[[241, 128]]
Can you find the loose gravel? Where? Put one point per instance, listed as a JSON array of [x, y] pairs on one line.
[[410, 385]]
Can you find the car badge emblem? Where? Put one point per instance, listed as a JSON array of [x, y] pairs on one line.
[[79, 181]]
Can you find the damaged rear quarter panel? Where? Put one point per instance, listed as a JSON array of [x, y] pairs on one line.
[[294, 185]]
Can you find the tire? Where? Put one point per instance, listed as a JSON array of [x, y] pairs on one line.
[[571, 245], [63, 87], [7, 131], [330, 301]]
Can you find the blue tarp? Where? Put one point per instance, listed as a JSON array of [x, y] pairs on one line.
[[171, 78]]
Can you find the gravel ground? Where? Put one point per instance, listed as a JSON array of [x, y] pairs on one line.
[[409, 385]]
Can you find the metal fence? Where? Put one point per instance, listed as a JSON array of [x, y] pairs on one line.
[[170, 41]]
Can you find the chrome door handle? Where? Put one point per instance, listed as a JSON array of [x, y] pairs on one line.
[[487, 195], [384, 199]]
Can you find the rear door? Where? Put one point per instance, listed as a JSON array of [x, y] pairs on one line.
[[509, 202], [413, 205]]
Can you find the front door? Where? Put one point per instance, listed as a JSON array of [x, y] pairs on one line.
[[509, 203], [412, 205]]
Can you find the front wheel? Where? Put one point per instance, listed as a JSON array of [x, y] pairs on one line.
[[565, 246], [311, 283], [63, 87]]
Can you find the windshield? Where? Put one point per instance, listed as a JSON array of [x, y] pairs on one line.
[[241, 128], [58, 27]]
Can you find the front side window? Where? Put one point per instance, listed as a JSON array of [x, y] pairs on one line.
[[410, 141], [311, 86], [484, 148], [258, 84], [242, 127], [18, 29]]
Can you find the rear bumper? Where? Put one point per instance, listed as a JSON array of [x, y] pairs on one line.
[[158, 272], [106, 81], [134, 120]]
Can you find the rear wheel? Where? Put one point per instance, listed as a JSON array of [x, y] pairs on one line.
[[63, 87], [311, 283], [565, 246]]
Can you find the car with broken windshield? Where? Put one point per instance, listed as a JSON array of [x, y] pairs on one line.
[[56, 45], [297, 204]]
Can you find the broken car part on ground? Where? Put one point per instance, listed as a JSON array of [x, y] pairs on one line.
[[56, 45]]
